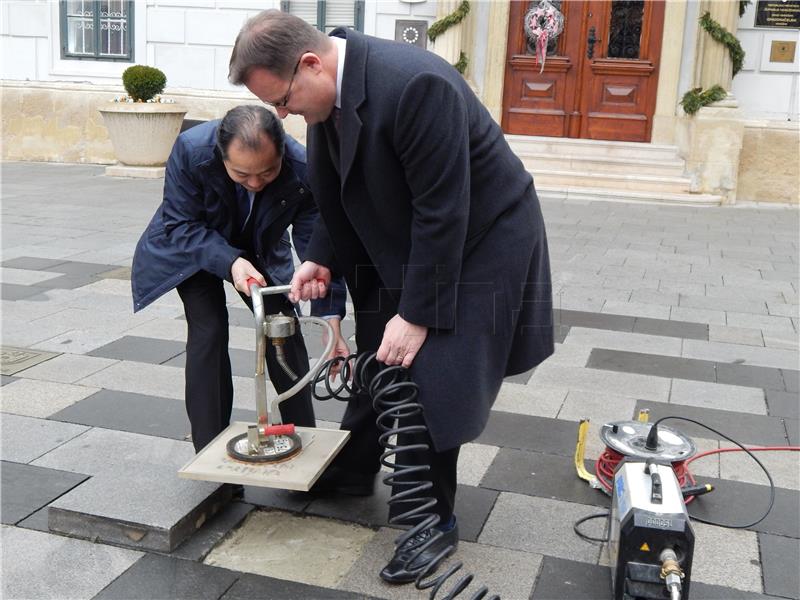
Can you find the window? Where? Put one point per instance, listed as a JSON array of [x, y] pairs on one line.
[[327, 15], [97, 29]]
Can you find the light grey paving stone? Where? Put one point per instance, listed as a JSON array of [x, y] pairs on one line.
[[16, 359], [129, 376], [508, 573], [67, 368], [735, 335], [536, 400], [78, 341], [41, 398], [147, 508], [698, 315], [637, 309], [24, 439], [757, 294], [644, 387], [24, 276], [655, 297], [628, 284], [738, 319], [719, 396], [785, 339], [707, 466], [473, 462], [621, 340], [573, 355], [784, 467], [547, 530], [741, 354], [59, 568], [175, 329], [783, 309], [676, 286], [599, 408], [716, 549]]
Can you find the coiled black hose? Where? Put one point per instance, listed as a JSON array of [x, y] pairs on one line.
[[394, 398]]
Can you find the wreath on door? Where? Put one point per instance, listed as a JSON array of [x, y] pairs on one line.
[[542, 24]]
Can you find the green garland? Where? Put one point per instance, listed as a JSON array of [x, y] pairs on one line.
[[743, 4], [723, 36], [695, 99], [454, 18], [462, 63]]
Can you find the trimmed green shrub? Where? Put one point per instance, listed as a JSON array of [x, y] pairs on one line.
[[143, 83]]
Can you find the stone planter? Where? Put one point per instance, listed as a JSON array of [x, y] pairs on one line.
[[142, 135]]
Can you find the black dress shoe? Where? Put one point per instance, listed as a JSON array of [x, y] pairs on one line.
[[399, 570], [338, 481]]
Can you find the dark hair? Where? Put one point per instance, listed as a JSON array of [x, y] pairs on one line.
[[247, 124], [273, 40]]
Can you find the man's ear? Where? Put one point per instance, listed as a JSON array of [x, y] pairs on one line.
[[311, 61]]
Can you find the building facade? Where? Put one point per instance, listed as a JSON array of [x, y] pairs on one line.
[[611, 81]]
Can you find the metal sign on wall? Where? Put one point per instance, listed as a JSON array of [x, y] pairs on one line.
[[778, 13], [411, 32]]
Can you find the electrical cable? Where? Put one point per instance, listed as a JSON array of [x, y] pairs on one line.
[[394, 398], [586, 537]]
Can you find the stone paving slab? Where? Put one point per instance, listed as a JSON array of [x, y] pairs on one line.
[[67, 368], [14, 359], [58, 568], [474, 461], [506, 572], [537, 401], [529, 433], [229, 517], [24, 439], [248, 587], [718, 396], [783, 404], [549, 533], [784, 467], [644, 387], [41, 398], [134, 377], [140, 349], [780, 557], [716, 549], [26, 489]]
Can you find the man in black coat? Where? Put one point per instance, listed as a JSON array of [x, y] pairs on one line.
[[231, 191], [432, 220]]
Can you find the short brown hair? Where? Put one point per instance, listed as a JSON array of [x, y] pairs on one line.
[[273, 40]]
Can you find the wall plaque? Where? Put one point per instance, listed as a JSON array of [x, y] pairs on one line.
[[412, 32], [778, 13], [782, 51]]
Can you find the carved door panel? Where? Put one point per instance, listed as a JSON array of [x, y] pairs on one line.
[[600, 76]]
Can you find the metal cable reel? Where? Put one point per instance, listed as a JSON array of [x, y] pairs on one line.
[[629, 438], [269, 440]]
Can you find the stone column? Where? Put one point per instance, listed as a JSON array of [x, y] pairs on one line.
[[711, 140], [448, 44]]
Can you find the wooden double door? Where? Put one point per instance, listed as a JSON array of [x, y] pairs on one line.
[[600, 76]]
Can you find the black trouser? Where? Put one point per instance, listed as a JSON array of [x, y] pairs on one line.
[[209, 387], [362, 451]]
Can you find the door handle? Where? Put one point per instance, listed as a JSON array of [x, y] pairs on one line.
[[590, 41]]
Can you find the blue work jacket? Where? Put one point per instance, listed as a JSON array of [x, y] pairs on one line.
[[193, 229]]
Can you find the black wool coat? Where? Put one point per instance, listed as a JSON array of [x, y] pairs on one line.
[[423, 187]]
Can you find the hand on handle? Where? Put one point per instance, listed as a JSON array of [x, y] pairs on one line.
[[310, 281], [242, 272]]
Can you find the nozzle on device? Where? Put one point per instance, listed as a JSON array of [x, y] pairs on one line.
[[671, 572]]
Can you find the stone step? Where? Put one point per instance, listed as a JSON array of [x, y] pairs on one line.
[[537, 162], [590, 194], [614, 181], [527, 144]]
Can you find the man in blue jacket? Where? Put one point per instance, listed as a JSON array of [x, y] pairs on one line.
[[232, 189]]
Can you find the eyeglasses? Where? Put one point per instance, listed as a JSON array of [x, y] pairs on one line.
[[282, 103]]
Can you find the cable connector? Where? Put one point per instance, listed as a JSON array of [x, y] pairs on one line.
[[671, 573]]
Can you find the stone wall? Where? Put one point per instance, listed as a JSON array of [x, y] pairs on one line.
[[59, 122], [769, 166]]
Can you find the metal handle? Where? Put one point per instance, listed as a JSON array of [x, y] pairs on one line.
[[590, 41]]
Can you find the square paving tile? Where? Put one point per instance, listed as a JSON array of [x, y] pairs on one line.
[[140, 349], [14, 360], [23, 439], [779, 558], [52, 566], [542, 526], [542, 475], [474, 461], [564, 579], [651, 364], [67, 368], [41, 398], [783, 404], [715, 549], [718, 396], [746, 429], [168, 578], [26, 488], [750, 376], [508, 573], [527, 432]]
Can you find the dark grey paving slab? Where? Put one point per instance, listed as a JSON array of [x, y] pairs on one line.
[[71, 267], [744, 428], [243, 362], [651, 364], [66, 282], [136, 413], [680, 329], [32, 263], [543, 475], [26, 489], [13, 291], [168, 578], [738, 503], [791, 380], [749, 376], [274, 498], [37, 521], [250, 587], [560, 332], [792, 431], [6, 379], [211, 533], [780, 557], [140, 349], [577, 318], [525, 432]]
